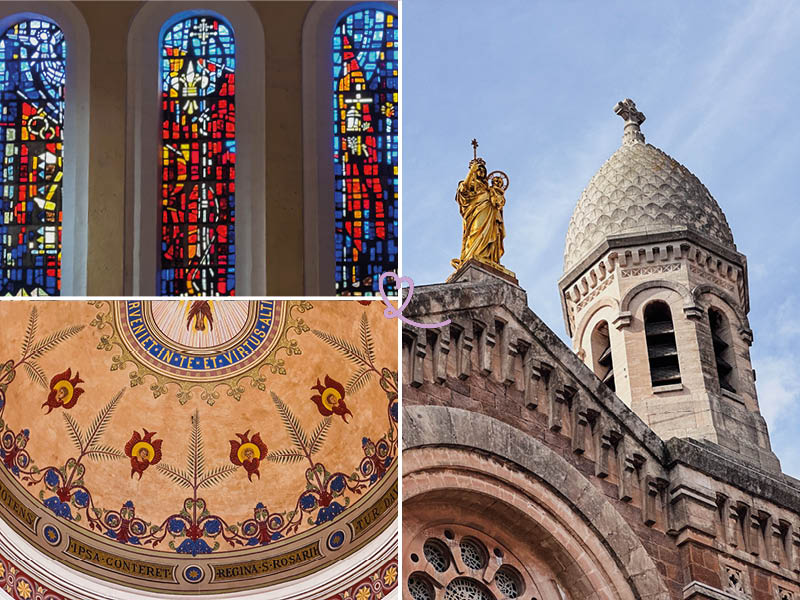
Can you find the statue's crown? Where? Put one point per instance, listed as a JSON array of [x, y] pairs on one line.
[[478, 160]]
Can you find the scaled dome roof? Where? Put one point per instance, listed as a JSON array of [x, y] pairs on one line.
[[641, 189]]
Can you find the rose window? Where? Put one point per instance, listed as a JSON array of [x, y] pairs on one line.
[[419, 588], [471, 555], [466, 589], [492, 571]]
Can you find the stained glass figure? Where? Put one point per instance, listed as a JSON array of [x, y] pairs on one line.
[[32, 79], [365, 111], [198, 158]]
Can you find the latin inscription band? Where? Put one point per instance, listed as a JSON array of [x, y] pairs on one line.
[[15, 506], [365, 520], [244, 570], [174, 358], [126, 566]]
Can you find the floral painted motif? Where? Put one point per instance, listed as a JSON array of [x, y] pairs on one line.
[[330, 399], [143, 451], [12, 449], [264, 527], [377, 459], [124, 526], [64, 391], [248, 453]]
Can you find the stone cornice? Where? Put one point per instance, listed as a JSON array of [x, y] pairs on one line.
[[715, 262]]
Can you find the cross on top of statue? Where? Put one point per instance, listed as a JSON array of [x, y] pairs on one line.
[[633, 119], [474, 149]]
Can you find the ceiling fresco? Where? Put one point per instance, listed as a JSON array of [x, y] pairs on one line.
[[198, 445]]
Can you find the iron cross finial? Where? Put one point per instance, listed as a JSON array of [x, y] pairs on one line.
[[474, 149]]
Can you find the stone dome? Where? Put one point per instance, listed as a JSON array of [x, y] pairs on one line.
[[641, 189]]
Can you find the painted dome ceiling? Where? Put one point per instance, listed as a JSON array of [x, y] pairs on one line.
[[641, 189], [198, 446]]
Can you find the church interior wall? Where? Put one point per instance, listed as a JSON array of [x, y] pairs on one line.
[[108, 26]]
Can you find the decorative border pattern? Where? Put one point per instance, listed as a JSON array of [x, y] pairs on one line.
[[377, 585], [20, 585], [374, 587]]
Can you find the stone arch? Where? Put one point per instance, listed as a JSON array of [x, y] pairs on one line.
[[448, 449], [730, 302], [682, 290], [580, 330]]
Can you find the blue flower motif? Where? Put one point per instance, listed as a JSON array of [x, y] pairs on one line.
[[176, 525], [51, 478], [213, 526], [329, 513], [276, 536], [81, 498], [308, 501], [338, 483], [194, 547], [252, 541], [61, 509], [394, 412]]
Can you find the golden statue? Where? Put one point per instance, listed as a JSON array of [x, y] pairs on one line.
[[481, 198]]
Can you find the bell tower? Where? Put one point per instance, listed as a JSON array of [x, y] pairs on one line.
[[655, 299]]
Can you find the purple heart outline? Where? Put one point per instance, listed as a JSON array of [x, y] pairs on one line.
[[397, 313]]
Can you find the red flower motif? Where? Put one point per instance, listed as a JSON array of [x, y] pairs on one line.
[[330, 400], [64, 494], [248, 453], [143, 451], [64, 391]]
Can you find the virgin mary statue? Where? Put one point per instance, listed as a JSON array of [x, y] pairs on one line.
[[480, 201]]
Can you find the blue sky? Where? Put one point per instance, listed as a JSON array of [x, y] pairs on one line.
[[535, 82]]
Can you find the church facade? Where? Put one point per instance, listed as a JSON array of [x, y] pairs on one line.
[[635, 464]]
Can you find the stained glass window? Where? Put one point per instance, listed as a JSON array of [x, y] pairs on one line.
[[365, 110], [32, 78], [198, 158]]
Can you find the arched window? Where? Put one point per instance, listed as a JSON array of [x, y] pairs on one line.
[[601, 354], [365, 156], [662, 351], [32, 116], [723, 350], [198, 158]]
